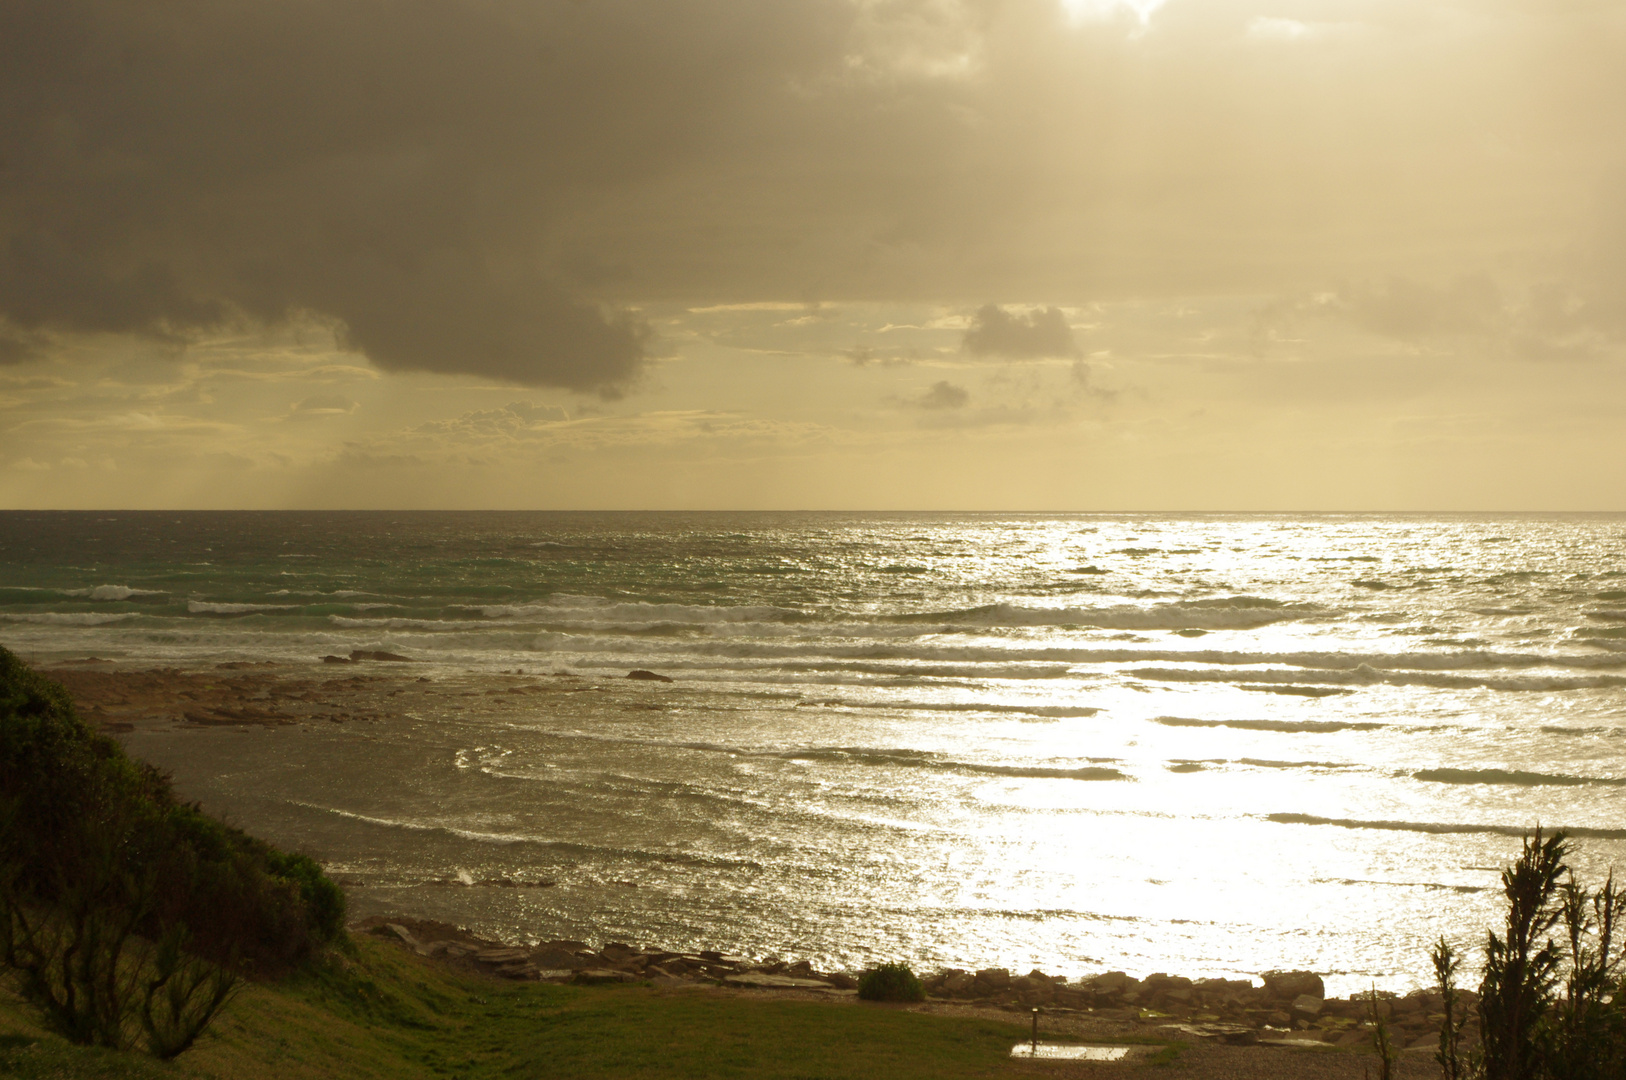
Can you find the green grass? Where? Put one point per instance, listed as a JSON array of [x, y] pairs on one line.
[[387, 1014]]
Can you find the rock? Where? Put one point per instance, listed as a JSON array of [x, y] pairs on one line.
[[1224, 987], [357, 655], [331, 659], [958, 982], [1305, 1007], [598, 976], [648, 676], [520, 970], [551, 956], [1234, 1034], [760, 980], [1034, 991], [615, 952], [1113, 982], [503, 956], [841, 980], [1118, 1014], [994, 978], [401, 932], [1287, 985], [1159, 981]]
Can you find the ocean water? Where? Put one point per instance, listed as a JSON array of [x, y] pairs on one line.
[[1205, 744]]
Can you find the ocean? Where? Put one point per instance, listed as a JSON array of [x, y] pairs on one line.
[[1203, 744]]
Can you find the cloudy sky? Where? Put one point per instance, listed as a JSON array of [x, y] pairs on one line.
[[888, 254]]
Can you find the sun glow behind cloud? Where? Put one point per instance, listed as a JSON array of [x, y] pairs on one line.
[[1223, 253], [1096, 10]]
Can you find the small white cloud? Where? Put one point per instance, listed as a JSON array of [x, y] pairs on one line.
[[321, 405]]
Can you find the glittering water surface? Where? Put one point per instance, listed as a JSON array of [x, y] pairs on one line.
[[1206, 745]]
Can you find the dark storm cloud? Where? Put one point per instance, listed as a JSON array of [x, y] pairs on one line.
[[394, 166], [484, 186], [996, 332]]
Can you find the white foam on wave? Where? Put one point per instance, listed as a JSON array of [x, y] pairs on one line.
[[114, 592], [206, 607], [1215, 613], [576, 610], [68, 618], [1365, 674]]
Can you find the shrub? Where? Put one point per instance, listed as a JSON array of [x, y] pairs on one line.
[[1547, 1010], [121, 906], [890, 982]]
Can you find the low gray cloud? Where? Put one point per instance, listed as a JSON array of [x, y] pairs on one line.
[[488, 187], [866, 355], [1040, 333], [942, 395], [393, 167], [1401, 307]]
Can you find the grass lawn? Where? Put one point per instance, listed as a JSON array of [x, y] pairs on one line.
[[385, 1013]]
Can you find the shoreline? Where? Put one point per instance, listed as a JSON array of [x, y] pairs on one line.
[[123, 697], [1286, 1010]]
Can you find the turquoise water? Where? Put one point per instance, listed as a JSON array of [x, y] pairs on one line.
[[1205, 744]]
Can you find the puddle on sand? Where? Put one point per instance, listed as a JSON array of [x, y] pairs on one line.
[[1046, 1051]]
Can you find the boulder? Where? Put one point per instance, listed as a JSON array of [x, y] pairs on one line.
[[379, 654], [503, 956], [648, 676], [596, 976], [1112, 982], [401, 932], [1287, 985], [551, 957], [958, 982], [1034, 990], [1306, 1007], [994, 978]]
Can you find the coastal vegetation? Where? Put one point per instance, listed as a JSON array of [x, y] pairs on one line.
[[380, 1012], [1547, 1009], [890, 982], [127, 915]]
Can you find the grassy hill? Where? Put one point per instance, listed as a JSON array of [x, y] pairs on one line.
[[383, 1012]]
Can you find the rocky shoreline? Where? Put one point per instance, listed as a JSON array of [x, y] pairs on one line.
[[1285, 1008]]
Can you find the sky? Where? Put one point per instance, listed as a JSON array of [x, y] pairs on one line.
[[813, 254]]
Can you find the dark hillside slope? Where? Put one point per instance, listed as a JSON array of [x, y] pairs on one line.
[[75, 807]]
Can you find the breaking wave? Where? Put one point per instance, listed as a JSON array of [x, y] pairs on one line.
[[1515, 777], [1439, 828]]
